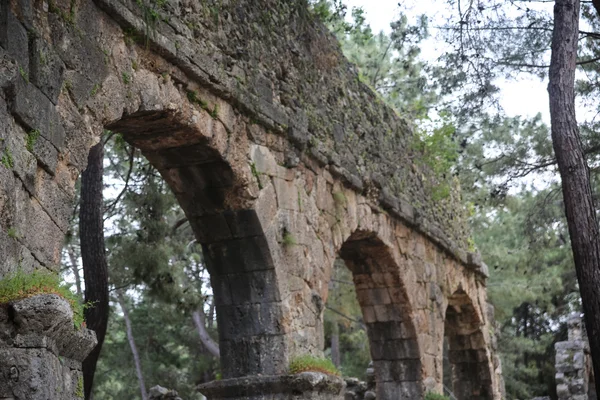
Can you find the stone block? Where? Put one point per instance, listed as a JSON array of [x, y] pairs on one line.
[[47, 69], [239, 321], [54, 200], [24, 163], [395, 350], [264, 355], [239, 255], [212, 228], [577, 386], [398, 370], [13, 38], [243, 223], [35, 227], [33, 374], [79, 52], [48, 315], [254, 287], [379, 296], [562, 391], [77, 344], [221, 289], [36, 112], [462, 356], [46, 154], [287, 194], [381, 331], [459, 342], [369, 314], [303, 386], [9, 69], [24, 10], [400, 390]]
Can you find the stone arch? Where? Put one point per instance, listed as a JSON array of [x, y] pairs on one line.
[[467, 350], [212, 194], [387, 314]]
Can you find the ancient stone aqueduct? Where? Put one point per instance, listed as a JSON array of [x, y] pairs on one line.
[[264, 132]]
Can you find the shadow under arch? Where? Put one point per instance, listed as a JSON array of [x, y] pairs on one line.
[[243, 277], [387, 315], [467, 352]]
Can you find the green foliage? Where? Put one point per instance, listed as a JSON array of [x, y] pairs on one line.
[[215, 111], [79, 388], [151, 252], [23, 74], [32, 137], [256, 175], [438, 152], [193, 97], [7, 158], [436, 147], [21, 285], [169, 348], [523, 239], [339, 198], [126, 78], [343, 317], [306, 363], [288, 239], [95, 89], [12, 233]]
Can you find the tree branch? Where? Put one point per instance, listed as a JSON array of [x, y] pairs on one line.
[[341, 314], [207, 341]]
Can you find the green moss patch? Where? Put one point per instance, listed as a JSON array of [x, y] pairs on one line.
[[21, 285], [311, 363]]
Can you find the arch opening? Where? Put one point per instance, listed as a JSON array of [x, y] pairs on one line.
[[235, 249], [467, 353], [345, 333], [387, 315]]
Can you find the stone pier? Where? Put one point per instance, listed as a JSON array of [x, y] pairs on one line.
[[574, 373]]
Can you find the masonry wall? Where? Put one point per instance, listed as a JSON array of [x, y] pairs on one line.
[[281, 159]]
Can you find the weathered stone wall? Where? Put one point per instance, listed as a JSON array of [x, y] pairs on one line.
[[573, 364], [281, 159]]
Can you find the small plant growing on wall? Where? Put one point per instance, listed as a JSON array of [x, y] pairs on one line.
[[20, 285], [307, 363], [288, 239], [435, 396]]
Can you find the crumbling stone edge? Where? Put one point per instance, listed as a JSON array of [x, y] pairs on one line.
[[305, 382]]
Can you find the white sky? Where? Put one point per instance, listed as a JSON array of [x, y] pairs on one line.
[[526, 97]]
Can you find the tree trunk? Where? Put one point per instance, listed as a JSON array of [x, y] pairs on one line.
[[95, 269], [75, 269], [211, 314], [207, 341], [335, 345], [134, 350], [577, 191]]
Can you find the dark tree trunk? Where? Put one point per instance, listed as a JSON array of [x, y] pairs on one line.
[[132, 346], [95, 270], [577, 191]]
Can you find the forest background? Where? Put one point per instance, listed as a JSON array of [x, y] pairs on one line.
[[162, 325]]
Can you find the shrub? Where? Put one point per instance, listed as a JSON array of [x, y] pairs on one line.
[[311, 363], [436, 396], [20, 285]]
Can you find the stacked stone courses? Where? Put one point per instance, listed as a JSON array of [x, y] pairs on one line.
[[282, 160]]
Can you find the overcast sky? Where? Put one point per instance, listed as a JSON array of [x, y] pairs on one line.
[[526, 97]]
